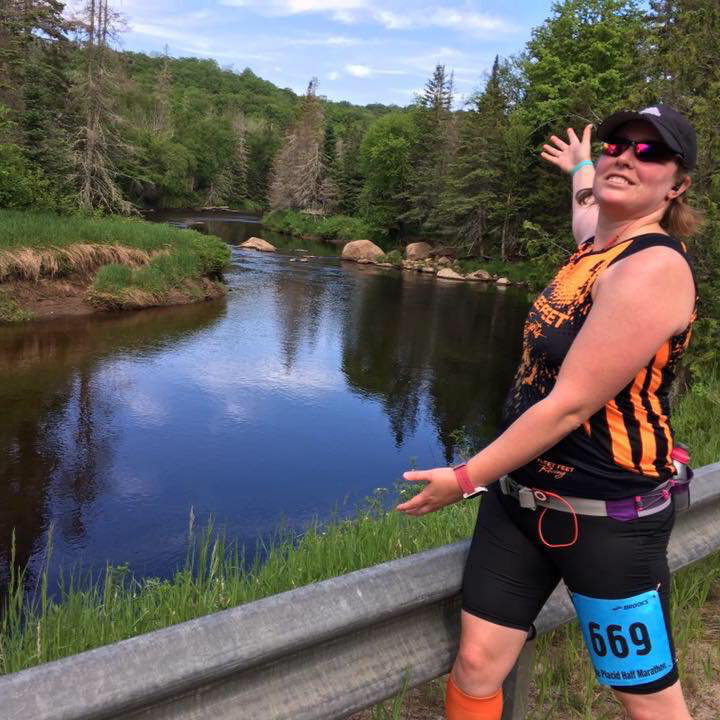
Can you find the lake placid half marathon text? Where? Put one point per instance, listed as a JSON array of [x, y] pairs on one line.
[[632, 674]]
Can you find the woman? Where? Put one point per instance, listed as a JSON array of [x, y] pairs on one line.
[[585, 435]]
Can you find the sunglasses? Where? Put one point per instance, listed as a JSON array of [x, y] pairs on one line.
[[645, 150]]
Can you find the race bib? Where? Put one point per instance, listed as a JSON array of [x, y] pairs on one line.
[[627, 639]]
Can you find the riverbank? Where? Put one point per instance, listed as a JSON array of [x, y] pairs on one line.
[[337, 229], [341, 229], [53, 265], [95, 612]]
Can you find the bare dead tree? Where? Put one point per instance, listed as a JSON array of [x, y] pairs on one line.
[[97, 142], [298, 167]]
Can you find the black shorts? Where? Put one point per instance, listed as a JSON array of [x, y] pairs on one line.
[[510, 573]]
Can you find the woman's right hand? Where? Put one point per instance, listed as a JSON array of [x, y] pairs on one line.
[[566, 155]]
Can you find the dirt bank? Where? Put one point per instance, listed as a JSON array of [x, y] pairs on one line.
[[46, 298]]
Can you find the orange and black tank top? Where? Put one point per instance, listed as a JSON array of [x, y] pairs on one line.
[[624, 448]]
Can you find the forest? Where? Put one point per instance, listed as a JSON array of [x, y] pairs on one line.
[[85, 127]]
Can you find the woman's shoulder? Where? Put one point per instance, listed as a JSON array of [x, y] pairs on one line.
[[646, 241]]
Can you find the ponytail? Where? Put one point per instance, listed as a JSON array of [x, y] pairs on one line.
[[681, 220]]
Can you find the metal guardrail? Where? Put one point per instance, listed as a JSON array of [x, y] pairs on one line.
[[319, 652]]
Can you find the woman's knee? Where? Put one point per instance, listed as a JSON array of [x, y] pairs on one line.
[[486, 655], [667, 704]]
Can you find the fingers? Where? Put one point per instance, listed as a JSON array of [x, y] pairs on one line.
[[552, 150], [550, 158], [558, 142], [415, 476], [572, 136], [587, 133], [414, 505]]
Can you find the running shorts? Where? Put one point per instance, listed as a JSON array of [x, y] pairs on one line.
[[510, 573]]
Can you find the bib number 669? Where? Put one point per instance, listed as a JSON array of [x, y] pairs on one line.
[[614, 639]]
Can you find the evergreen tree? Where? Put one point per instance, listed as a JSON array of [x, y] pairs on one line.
[[469, 203], [33, 86], [239, 161], [161, 120], [683, 65], [431, 154], [348, 171]]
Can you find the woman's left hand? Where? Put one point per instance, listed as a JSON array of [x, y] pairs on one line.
[[441, 489]]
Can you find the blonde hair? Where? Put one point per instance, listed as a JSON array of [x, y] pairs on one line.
[[681, 220]]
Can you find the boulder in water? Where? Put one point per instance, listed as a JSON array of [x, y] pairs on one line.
[[256, 243], [358, 250], [417, 251]]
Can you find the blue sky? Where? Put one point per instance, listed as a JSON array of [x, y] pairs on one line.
[[360, 50]]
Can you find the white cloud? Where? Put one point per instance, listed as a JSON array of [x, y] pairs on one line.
[[399, 18], [363, 71], [330, 40], [461, 20], [334, 75], [358, 70]]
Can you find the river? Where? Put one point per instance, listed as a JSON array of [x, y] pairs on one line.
[[307, 387]]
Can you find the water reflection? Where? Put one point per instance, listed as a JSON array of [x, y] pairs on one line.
[[55, 436], [414, 341], [312, 382]]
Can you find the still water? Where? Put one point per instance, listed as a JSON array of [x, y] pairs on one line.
[[307, 387]]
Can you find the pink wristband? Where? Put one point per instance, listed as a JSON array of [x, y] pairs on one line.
[[463, 479]]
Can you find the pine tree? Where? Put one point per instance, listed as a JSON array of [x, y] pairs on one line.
[[470, 204], [431, 154], [349, 172], [239, 161], [34, 84]]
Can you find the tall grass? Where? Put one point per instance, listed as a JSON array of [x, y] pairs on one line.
[[341, 227], [39, 230], [90, 612], [133, 262]]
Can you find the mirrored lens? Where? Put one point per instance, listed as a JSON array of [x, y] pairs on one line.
[[647, 151], [614, 149]]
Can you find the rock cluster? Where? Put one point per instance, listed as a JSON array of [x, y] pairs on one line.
[[419, 257]]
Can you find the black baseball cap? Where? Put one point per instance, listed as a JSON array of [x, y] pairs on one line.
[[675, 130]]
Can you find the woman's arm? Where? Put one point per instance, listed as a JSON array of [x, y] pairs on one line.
[[632, 315], [566, 155]]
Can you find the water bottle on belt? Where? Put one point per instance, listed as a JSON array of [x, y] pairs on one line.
[[680, 482]]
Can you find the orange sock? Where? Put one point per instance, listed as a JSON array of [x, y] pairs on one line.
[[461, 706]]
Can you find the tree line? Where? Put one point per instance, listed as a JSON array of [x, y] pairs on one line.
[[82, 125]]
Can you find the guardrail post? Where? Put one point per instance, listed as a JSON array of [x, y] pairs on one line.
[[517, 685]]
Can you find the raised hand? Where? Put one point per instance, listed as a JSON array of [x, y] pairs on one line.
[[566, 155], [441, 489]]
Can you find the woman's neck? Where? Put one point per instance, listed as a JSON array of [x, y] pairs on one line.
[[609, 232]]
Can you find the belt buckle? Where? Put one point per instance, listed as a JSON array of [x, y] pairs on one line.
[[526, 498], [505, 484]]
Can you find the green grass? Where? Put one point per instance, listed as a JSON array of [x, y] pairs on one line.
[[94, 612], [10, 311], [177, 257], [40, 230], [340, 227]]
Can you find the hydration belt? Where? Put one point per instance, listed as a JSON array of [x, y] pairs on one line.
[[624, 510]]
